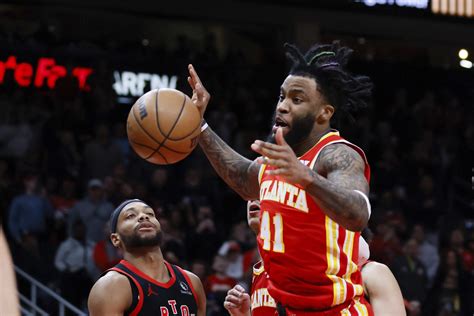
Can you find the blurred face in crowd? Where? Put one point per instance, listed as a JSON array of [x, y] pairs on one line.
[[137, 227], [31, 184], [253, 213], [418, 233], [457, 238], [159, 178], [96, 193], [300, 109], [411, 248], [204, 212]]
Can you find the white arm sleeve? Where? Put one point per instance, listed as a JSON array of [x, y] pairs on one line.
[[369, 208]]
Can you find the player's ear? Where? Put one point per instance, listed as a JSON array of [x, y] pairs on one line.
[[325, 113], [115, 239]]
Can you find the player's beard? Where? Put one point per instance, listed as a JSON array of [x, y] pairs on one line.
[[300, 129], [136, 241]]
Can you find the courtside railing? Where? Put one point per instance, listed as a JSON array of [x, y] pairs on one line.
[[29, 306]]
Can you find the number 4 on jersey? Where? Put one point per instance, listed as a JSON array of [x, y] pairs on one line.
[[265, 232]]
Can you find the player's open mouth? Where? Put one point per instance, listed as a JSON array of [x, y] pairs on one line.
[[254, 209], [279, 122]]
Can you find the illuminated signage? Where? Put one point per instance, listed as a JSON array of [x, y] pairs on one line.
[[133, 84], [453, 7], [418, 4], [45, 72]]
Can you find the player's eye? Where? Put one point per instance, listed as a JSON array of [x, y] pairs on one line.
[[281, 97], [130, 216], [151, 214], [297, 100]]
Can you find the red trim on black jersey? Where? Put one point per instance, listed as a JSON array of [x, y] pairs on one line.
[[148, 278], [141, 297], [186, 276]]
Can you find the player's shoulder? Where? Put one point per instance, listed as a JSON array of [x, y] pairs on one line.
[[340, 156], [111, 281], [111, 294], [192, 277], [375, 270]]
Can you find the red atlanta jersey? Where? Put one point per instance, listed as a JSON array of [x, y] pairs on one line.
[[261, 302], [311, 260]]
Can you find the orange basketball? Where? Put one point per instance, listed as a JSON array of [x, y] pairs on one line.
[[163, 126]]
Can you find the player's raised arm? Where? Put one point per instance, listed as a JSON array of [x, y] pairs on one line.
[[240, 173]]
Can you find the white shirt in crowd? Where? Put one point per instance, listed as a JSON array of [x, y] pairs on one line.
[[72, 255]]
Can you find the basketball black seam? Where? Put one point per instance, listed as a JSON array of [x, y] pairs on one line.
[[160, 144], [192, 132], [149, 147], [174, 124]]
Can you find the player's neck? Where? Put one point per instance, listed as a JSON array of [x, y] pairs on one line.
[[302, 147], [150, 262]]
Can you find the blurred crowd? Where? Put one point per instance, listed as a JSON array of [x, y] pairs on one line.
[[65, 163]]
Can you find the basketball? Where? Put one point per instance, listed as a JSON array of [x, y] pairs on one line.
[[163, 126]]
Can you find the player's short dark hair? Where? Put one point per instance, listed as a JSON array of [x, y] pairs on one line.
[[326, 64]]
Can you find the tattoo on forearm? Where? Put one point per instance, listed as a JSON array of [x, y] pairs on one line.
[[238, 172], [344, 170]]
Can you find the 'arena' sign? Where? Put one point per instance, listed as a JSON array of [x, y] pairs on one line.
[[133, 84]]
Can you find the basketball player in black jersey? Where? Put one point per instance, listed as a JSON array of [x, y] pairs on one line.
[[143, 283]]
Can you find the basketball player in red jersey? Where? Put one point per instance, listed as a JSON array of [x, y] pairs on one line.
[[380, 286], [143, 283], [312, 184]]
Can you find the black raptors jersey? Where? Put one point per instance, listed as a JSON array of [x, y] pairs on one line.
[[150, 297]]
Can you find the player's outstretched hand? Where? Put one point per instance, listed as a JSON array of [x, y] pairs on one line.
[[237, 302], [200, 95], [283, 158]]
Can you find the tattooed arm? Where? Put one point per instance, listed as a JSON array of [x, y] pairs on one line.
[[240, 173], [339, 171]]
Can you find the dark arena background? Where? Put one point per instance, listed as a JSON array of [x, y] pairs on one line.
[[71, 70]]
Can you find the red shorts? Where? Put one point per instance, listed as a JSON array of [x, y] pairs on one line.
[[357, 307]]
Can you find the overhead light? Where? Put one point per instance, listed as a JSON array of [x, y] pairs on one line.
[[463, 53], [465, 63]]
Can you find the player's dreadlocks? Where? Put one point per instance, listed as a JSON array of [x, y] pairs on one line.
[[326, 64]]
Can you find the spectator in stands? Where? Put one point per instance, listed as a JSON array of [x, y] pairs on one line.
[[101, 154], [29, 214], [202, 239], [104, 254], [73, 260], [217, 285], [427, 252], [451, 293], [94, 210], [411, 276]]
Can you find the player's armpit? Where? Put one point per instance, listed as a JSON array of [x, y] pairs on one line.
[[110, 295], [240, 173], [338, 172], [197, 285], [383, 290]]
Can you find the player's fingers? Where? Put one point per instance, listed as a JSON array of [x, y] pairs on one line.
[[279, 138], [234, 300], [191, 82], [239, 288], [229, 305], [234, 292], [268, 145], [278, 163], [277, 172], [194, 74], [267, 152]]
